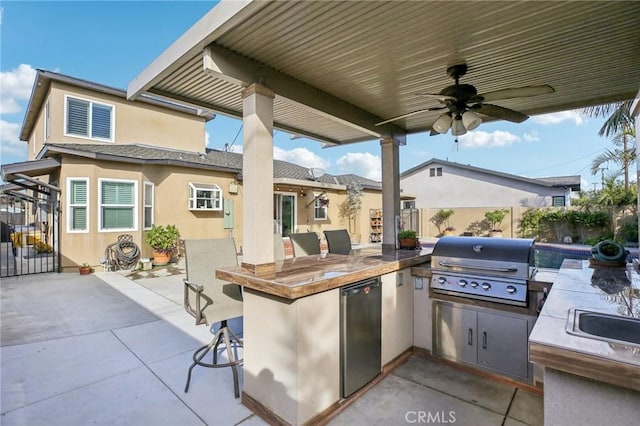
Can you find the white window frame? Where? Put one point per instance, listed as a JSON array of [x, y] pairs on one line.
[[70, 206], [135, 205], [146, 205], [112, 124], [47, 123], [320, 208], [564, 200], [216, 196]]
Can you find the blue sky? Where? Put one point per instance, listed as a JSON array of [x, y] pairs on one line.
[[111, 42]]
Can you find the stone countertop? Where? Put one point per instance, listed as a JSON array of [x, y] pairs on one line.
[[607, 290], [307, 275]]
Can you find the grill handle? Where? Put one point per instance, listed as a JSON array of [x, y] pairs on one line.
[[481, 268]]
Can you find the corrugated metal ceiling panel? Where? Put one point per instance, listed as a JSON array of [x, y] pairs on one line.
[[377, 55]]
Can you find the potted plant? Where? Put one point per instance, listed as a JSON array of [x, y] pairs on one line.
[[84, 269], [408, 239], [163, 240], [350, 208], [442, 218], [496, 217]]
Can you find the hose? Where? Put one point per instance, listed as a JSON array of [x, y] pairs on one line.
[[123, 254]]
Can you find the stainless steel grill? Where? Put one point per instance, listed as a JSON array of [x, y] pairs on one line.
[[493, 269]]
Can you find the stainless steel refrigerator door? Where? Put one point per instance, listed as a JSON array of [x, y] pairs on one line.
[[361, 335]]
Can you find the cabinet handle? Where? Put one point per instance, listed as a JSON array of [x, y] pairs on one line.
[[484, 340], [470, 337]]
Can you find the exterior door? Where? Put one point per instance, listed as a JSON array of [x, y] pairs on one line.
[[284, 213]]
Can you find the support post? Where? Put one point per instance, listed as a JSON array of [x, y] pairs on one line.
[[390, 149]]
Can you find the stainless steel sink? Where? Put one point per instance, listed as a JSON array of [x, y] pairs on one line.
[[607, 327]]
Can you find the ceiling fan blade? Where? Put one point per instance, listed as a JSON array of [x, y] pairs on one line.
[[517, 92], [500, 113], [437, 96], [408, 115]]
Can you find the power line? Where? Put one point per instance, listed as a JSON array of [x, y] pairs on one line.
[[565, 163]]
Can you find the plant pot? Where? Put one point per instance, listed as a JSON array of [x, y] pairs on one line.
[[408, 243], [495, 234], [85, 270], [448, 232], [161, 258]]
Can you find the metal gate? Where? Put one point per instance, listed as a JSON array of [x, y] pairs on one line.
[[30, 242], [410, 219]]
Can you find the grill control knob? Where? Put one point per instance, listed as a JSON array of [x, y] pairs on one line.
[[511, 289], [442, 280], [474, 284], [486, 286], [463, 283]]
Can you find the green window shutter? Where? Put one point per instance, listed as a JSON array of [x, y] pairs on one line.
[[78, 202], [100, 121], [77, 117], [78, 192], [79, 218], [117, 199]]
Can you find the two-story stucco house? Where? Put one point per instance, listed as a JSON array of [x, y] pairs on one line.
[[117, 167]]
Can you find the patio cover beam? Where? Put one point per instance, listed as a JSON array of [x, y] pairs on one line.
[[242, 71]]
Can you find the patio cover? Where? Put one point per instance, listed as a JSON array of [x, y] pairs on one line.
[[337, 68]]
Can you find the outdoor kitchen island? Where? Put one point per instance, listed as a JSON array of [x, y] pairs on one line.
[[589, 379], [292, 327]]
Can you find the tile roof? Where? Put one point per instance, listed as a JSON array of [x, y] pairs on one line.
[[211, 159]]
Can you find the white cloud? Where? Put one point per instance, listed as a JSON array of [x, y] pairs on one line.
[[481, 139], [531, 136], [15, 86], [9, 142], [362, 164], [559, 117], [300, 156]]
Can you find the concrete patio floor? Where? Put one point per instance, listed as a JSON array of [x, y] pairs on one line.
[[109, 349]]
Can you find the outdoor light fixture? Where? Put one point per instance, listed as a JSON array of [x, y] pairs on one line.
[[443, 123], [471, 120], [457, 128], [459, 124]]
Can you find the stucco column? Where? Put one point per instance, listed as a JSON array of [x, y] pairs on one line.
[[390, 148], [257, 179]]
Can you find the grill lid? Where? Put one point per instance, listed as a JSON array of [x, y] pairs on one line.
[[515, 250]]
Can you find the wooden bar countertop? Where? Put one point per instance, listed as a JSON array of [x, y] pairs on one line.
[[307, 275], [608, 290]]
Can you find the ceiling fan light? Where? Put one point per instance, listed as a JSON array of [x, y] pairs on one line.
[[471, 120], [457, 128], [442, 124]]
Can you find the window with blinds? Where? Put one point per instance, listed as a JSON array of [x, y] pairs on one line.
[[89, 119], [148, 204], [118, 205], [78, 205]]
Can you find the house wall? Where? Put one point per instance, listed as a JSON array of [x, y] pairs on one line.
[[459, 187], [170, 207], [370, 200], [135, 122]]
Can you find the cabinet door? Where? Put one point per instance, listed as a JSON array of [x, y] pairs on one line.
[[455, 333], [502, 344]]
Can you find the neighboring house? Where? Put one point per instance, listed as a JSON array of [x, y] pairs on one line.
[[121, 166], [443, 184]]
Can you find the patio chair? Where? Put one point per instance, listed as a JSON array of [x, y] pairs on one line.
[[338, 241], [305, 243], [210, 300]]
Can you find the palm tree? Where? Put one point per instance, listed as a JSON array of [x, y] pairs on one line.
[[621, 125], [624, 154]]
